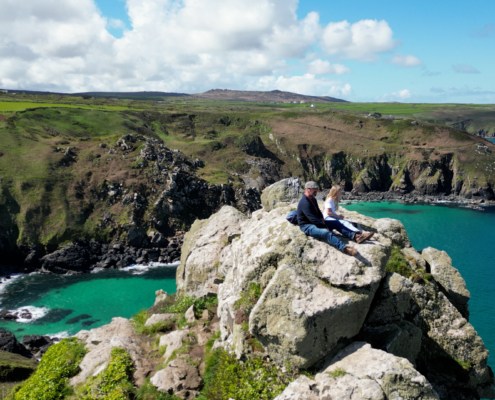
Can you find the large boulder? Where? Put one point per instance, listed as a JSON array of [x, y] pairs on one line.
[[284, 192], [314, 295], [360, 372], [448, 278], [205, 248]]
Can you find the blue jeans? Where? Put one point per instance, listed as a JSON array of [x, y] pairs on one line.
[[327, 236]]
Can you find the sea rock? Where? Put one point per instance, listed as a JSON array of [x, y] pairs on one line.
[[156, 318], [204, 250], [100, 341], [173, 341], [179, 378], [448, 278], [284, 192], [35, 342], [77, 256], [9, 343], [360, 372]]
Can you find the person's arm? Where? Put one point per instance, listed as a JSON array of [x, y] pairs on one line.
[[332, 212], [308, 209]]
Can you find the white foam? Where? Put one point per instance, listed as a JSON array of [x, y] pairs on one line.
[[139, 269], [60, 335], [36, 312], [4, 282]]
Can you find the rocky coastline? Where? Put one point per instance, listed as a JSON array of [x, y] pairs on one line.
[[254, 292]]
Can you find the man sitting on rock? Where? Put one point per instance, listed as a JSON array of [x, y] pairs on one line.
[[311, 221]]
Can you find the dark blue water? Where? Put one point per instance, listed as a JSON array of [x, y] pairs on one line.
[[63, 305], [468, 236]]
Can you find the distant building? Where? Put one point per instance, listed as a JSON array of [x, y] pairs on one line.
[[313, 106], [302, 102], [4, 91]]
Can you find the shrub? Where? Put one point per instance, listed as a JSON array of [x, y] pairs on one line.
[[49, 382], [149, 392], [225, 377], [397, 263]]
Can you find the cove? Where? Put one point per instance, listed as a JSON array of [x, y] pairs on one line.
[[467, 236], [63, 305]]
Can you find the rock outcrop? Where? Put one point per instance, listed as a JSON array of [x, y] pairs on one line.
[[361, 372], [304, 301]]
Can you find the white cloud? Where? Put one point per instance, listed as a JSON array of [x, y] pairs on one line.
[[465, 69], [306, 84], [396, 96], [321, 67], [362, 41], [177, 45], [406, 60]]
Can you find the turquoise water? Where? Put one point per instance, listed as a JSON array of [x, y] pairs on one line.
[[63, 305], [468, 237], [491, 140]]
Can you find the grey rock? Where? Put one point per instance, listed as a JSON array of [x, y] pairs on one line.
[[284, 192], [190, 317], [156, 318], [448, 277], [179, 378], [173, 341], [160, 295]]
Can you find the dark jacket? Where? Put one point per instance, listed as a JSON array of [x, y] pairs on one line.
[[309, 213]]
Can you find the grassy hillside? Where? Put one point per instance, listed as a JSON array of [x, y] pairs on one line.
[[53, 195]]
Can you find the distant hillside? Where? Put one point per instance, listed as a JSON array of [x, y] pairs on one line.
[[276, 96], [156, 96]]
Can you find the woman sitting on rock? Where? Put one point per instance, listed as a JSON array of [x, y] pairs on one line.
[[336, 221]]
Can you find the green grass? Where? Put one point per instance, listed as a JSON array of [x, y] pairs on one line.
[[338, 373], [256, 378], [21, 106], [49, 382], [113, 383], [398, 264]]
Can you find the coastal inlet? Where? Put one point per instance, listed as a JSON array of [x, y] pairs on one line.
[[59, 305]]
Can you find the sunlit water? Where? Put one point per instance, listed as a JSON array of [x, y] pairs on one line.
[[468, 236], [63, 305]]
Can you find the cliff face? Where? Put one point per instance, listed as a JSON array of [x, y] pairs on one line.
[[308, 304]]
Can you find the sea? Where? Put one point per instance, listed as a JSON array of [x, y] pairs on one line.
[[63, 305]]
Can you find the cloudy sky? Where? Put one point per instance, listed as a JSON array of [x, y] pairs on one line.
[[421, 51]]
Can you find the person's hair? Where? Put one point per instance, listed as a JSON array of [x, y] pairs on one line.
[[332, 194]]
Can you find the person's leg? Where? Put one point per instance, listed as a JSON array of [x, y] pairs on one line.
[[339, 226], [323, 234]]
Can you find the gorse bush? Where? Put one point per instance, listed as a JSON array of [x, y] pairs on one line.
[[182, 303], [49, 381]]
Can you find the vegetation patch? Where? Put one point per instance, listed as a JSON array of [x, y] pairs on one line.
[[464, 364], [249, 298], [49, 382], [397, 263], [149, 392], [114, 383], [337, 373], [225, 377]]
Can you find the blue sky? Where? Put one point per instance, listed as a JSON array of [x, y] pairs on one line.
[[360, 51]]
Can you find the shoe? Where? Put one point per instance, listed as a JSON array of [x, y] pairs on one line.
[[363, 236], [350, 251]]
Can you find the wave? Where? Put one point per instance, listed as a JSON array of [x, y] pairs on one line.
[[36, 313], [139, 269], [4, 282]]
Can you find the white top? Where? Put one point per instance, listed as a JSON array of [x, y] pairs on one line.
[[329, 204]]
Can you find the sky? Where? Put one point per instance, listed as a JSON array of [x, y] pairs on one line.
[[421, 51]]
